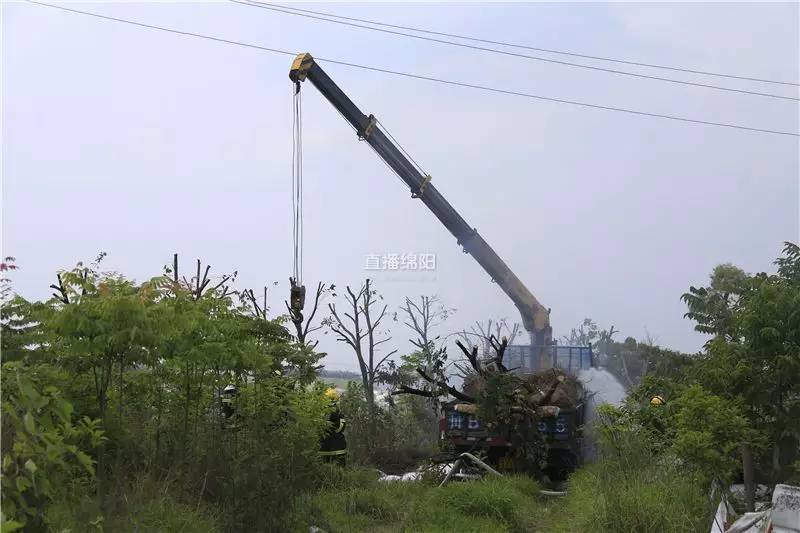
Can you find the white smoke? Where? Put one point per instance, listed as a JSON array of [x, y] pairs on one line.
[[603, 386]]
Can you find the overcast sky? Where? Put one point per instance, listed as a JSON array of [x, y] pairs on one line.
[[142, 143]]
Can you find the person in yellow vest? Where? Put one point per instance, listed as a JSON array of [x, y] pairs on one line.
[[333, 447]]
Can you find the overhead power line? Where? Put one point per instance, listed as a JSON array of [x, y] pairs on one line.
[[538, 49], [418, 76], [271, 7]]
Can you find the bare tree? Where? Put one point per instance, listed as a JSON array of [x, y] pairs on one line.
[[358, 328], [481, 333], [257, 309], [199, 286], [422, 317]]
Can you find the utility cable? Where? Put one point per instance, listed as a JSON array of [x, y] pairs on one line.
[[548, 50], [261, 5], [426, 78]]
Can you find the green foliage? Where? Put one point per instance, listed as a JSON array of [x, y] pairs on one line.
[[694, 427], [753, 357], [361, 503], [630, 360], [21, 333], [639, 482], [713, 307], [147, 505], [43, 447], [708, 432], [402, 437], [502, 400], [506, 502], [150, 360], [623, 497], [260, 468]]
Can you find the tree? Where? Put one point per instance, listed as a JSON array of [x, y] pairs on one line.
[[21, 335], [150, 360], [753, 355], [714, 307], [100, 321], [481, 333], [422, 317], [46, 451], [359, 330]]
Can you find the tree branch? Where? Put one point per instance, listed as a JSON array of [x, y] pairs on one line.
[[455, 393], [387, 356], [64, 297], [405, 389]]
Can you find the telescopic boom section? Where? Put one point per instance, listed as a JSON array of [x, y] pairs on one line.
[[535, 317]]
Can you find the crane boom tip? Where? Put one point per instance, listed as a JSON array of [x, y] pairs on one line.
[[300, 66]]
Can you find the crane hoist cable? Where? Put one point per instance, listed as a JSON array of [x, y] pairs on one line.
[[297, 294]]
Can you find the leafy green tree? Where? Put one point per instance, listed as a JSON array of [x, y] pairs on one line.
[[147, 362], [753, 356], [20, 332], [43, 446], [708, 432], [714, 307]]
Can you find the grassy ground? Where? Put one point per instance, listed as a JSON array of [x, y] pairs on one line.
[[601, 499], [145, 506], [356, 501], [605, 497]]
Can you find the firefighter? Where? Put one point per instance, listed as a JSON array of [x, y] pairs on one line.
[[656, 401], [333, 447], [229, 394]]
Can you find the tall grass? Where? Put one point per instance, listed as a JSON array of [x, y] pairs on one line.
[[145, 505], [632, 489], [361, 503]]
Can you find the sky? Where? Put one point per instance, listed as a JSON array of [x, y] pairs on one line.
[[142, 143]]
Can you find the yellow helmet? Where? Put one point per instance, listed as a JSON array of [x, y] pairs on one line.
[[657, 400], [332, 394]]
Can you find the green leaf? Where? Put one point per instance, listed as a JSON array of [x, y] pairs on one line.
[[30, 425], [30, 466], [10, 525], [85, 461], [28, 391], [22, 483]]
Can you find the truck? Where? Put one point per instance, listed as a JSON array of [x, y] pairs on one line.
[[541, 354], [561, 422]]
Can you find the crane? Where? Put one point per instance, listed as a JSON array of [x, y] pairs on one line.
[[535, 317]]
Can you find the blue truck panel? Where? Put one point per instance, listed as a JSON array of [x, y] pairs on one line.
[[525, 358]]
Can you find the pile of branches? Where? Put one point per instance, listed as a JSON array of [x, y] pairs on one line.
[[508, 403], [489, 380]]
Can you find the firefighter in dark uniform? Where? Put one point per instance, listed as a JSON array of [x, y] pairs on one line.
[[228, 396], [333, 447]]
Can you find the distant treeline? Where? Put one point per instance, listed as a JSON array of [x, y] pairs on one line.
[[342, 374]]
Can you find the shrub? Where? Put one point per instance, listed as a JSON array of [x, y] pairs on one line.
[[403, 436], [630, 490], [44, 448]]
